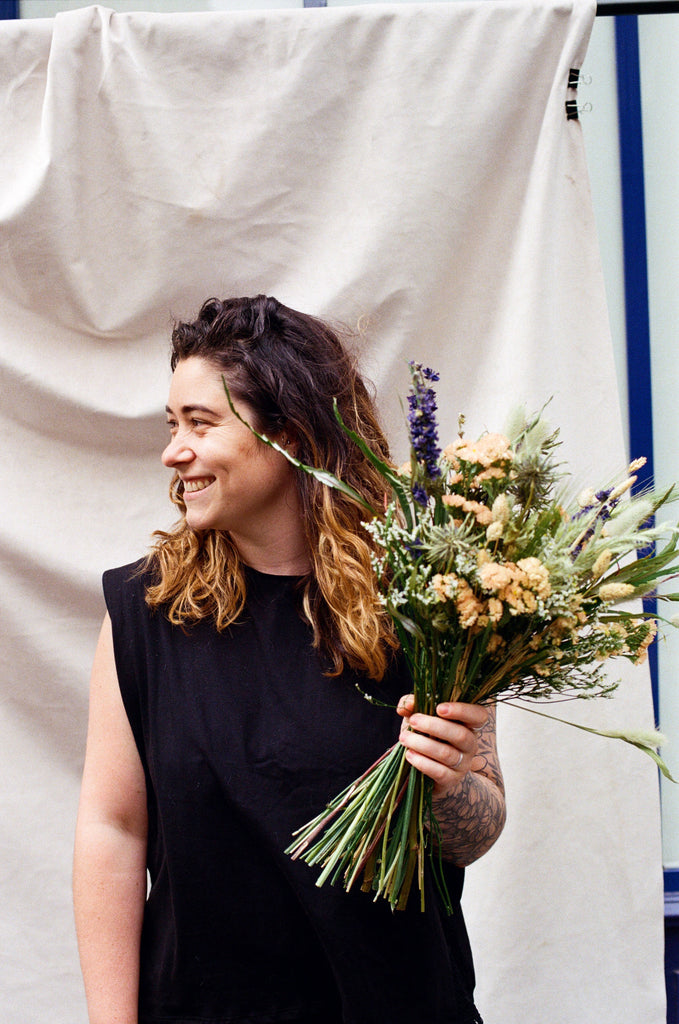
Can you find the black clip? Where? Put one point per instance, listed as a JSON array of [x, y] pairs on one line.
[[572, 105]]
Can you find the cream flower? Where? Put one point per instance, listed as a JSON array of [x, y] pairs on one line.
[[615, 591], [642, 649], [495, 531], [487, 450], [455, 500], [467, 604], [494, 576], [536, 576], [444, 586], [602, 563], [492, 473], [500, 509], [622, 488], [481, 512], [495, 642]]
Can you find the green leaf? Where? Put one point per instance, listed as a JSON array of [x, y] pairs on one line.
[[322, 475], [646, 745], [407, 624], [392, 478]]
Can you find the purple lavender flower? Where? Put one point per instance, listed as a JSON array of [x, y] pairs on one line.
[[605, 512], [422, 425], [419, 494]]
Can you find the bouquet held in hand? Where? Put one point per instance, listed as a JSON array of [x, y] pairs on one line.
[[499, 588]]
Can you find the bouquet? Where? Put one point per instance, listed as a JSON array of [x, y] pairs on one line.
[[499, 587]]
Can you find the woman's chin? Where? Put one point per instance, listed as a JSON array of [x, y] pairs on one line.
[[197, 521]]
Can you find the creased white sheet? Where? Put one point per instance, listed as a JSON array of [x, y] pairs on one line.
[[410, 167]]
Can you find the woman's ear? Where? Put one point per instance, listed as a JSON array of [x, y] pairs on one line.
[[288, 439]]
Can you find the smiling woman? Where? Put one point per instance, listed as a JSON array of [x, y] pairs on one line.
[[229, 480], [283, 370], [227, 706]]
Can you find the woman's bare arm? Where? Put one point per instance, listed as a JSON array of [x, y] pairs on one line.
[[109, 868], [458, 750]]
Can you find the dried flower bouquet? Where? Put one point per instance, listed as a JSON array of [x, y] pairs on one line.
[[498, 588]]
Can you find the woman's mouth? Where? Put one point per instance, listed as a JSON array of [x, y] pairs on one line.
[[199, 484]]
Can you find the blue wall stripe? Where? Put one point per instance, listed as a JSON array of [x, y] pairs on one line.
[[9, 9], [639, 396]]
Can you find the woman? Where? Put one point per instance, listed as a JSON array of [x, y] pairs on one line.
[[225, 713]]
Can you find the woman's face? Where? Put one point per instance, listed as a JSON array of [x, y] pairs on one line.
[[231, 480]]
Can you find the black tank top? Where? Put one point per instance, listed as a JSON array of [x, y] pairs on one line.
[[243, 739]]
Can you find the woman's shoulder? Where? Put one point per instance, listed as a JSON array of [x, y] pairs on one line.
[[126, 580]]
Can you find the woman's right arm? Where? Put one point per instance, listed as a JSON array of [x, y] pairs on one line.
[[109, 867]]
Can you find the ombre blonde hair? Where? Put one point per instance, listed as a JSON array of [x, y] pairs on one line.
[[288, 367]]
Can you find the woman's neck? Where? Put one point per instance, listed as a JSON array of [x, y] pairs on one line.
[[282, 558]]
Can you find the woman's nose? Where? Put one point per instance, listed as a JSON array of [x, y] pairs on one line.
[[177, 452]]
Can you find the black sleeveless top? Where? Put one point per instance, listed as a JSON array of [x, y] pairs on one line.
[[243, 739]]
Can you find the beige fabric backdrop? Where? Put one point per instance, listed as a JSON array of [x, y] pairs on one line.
[[410, 166]]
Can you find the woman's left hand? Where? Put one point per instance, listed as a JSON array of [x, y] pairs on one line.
[[442, 746]]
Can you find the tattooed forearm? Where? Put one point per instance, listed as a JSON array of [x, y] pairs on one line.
[[472, 816]]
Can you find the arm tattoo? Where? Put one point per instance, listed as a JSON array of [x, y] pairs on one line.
[[472, 815]]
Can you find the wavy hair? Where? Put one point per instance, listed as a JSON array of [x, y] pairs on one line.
[[288, 366]]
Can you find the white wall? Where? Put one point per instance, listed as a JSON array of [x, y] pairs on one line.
[[659, 46]]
